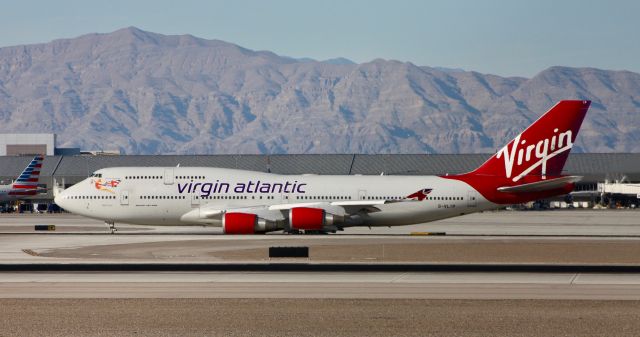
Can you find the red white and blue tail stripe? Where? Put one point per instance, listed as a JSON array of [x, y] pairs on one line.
[[27, 182]]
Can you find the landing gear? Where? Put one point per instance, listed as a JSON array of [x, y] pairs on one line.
[[112, 226], [308, 232]]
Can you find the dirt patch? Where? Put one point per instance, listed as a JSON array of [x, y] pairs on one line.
[[317, 317], [421, 249]]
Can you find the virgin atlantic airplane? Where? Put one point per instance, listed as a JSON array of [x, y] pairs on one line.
[[528, 168]]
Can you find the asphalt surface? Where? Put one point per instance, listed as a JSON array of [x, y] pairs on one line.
[[363, 285]]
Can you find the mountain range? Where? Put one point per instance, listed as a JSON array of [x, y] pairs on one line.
[[147, 93]]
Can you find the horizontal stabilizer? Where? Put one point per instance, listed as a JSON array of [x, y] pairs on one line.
[[540, 186]]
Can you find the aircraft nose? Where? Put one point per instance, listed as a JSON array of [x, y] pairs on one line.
[[59, 199]]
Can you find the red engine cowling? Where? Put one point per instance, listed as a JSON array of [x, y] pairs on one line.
[[239, 223], [308, 218]]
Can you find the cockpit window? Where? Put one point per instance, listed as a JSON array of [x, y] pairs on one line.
[[96, 175]]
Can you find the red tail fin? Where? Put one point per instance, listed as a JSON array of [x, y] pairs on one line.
[[537, 153], [541, 149]]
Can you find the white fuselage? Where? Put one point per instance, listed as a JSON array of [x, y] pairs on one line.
[[4, 193], [164, 195]]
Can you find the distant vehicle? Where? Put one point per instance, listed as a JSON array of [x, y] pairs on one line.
[[26, 184], [528, 168]]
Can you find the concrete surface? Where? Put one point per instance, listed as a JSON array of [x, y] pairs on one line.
[[439, 285]]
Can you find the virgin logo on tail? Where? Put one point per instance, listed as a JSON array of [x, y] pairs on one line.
[[541, 151], [538, 153]]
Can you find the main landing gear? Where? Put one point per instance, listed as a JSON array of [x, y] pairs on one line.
[[112, 226]]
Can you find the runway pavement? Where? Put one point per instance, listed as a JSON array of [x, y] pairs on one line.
[[441, 285]]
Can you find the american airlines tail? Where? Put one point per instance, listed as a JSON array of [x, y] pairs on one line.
[[530, 166], [26, 184]]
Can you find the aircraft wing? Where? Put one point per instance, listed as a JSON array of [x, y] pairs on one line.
[[336, 207], [206, 213], [277, 212]]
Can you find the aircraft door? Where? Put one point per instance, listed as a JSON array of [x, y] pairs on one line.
[[124, 198], [472, 197], [195, 200], [362, 194], [168, 176]]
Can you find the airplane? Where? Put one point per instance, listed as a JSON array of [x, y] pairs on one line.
[[528, 168], [26, 184]]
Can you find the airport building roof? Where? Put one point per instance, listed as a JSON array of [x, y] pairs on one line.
[[594, 167]]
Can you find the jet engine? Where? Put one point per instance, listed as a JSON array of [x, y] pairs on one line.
[[246, 223], [312, 219]]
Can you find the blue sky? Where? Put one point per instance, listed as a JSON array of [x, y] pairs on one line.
[[504, 37]]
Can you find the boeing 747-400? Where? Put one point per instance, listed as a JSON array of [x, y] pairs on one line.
[[528, 168]]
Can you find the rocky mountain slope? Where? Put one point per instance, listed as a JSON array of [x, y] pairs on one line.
[[146, 93]]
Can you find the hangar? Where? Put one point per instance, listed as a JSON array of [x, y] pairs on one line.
[[15, 144], [65, 171]]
